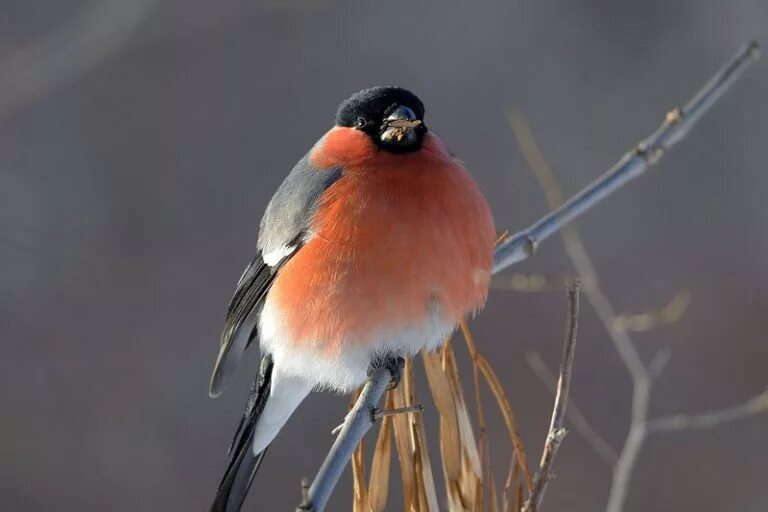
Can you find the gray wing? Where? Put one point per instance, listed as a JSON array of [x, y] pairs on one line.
[[290, 210], [282, 230]]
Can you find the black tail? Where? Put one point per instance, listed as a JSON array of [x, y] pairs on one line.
[[243, 464]]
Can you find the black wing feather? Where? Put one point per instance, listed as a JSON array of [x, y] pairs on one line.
[[283, 226], [285, 220], [240, 323], [243, 464]]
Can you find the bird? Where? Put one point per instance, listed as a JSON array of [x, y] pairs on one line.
[[374, 247]]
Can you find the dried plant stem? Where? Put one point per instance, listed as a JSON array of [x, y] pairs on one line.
[[471, 485], [482, 367], [520, 246], [378, 490], [509, 418], [557, 430], [402, 437], [360, 493], [483, 438], [510, 485], [484, 454], [674, 128]]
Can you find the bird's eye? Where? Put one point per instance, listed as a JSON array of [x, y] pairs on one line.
[[361, 122]]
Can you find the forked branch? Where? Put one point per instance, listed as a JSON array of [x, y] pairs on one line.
[[675, 127], [642, 376]]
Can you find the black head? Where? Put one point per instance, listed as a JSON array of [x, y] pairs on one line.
[[393, 117]]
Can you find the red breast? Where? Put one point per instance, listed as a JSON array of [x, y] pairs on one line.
[[396, 236]]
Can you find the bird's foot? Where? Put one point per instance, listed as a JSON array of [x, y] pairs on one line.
[[392, 363]]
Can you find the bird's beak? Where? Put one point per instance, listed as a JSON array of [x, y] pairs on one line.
[[400, 127]]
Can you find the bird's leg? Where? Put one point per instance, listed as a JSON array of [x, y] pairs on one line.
[[395, 366], [392, 363]]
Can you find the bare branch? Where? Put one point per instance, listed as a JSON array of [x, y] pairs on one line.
[[710, 419], [674, 128], [653, 319], [530, 283], [658, 363], [358, 422], [574, 416], [556, 429]]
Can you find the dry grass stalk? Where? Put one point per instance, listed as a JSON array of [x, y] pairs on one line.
[[519, 494], [460, 452], [510, 485], [482, 365], [403, 443], [360, 493], [493, 504], [466, 463], [471, 484], [425, 482], [481, 455], [450, 444], [509, 417], [358, 472], [382, 457], [419, 491]]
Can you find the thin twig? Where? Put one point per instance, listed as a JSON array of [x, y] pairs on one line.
[[377, 414], [660, 361], [557, 431], [710, 419], [524, 244], [674, 128], [304, 490], [574, 416]]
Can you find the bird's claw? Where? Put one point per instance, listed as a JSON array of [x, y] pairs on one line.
[[395, 366]]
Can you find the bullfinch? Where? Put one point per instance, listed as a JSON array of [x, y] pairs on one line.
[[374, 247]]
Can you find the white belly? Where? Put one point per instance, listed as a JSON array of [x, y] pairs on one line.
[[347, 368]]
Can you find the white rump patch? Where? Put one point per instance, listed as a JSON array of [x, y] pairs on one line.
[[285, 395]]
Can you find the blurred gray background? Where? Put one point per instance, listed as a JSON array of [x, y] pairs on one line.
[[140, 141]]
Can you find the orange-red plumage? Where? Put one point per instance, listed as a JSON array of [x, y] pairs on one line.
[[372, 249], [398, 236]]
